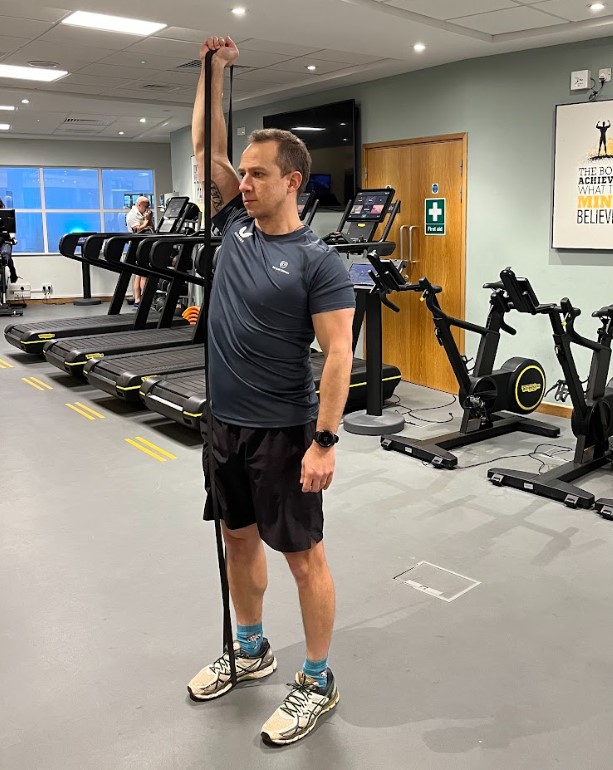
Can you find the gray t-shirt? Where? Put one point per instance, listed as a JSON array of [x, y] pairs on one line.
[[265, 290]]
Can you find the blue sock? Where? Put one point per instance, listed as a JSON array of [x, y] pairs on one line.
[[250, 638], [316, 669]]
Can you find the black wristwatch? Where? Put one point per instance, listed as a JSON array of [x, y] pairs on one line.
[[325, 438]]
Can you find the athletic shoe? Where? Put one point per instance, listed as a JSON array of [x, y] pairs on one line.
[[299, 712], [135, 305], [214, 680]]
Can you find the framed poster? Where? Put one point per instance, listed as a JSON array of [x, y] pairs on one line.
[[583, 176]]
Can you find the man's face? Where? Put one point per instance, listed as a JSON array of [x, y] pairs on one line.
[[142, 206], [263, 188]]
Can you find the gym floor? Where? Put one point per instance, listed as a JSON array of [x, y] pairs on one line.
[[110, 601]]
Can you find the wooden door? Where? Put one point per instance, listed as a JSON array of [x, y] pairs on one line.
[[418, 170]]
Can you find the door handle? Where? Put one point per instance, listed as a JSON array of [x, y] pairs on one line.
[[409, 262]]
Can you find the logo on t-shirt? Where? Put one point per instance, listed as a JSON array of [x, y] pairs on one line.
[[281, 268], [243, 233]]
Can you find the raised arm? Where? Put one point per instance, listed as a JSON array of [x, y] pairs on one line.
[[224, 181]]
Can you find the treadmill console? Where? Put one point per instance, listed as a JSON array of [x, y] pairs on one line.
[[173, 214], [305, 203], [369, 209]]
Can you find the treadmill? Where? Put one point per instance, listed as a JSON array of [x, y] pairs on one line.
[[182, 396], [32, 337], [123, 375], [155, 258]]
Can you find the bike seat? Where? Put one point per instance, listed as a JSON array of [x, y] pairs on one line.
[[604, 312], [494, 285]]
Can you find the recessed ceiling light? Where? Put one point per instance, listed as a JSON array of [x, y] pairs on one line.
[[239, 11], [342, 124], [4, 126], [595, 7], [143, 61], [113, 23], [307, 128], [311, 67], [121, 133], [419, 47], [143, 120], [25, 101], [30, 73], [6, 107]]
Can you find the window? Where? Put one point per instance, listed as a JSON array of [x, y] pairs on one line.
[[71, 188], [50, 202]]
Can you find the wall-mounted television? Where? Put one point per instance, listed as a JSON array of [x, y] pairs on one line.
[[331, 132]]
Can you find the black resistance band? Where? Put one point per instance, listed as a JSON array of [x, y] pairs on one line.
[[228, 637]]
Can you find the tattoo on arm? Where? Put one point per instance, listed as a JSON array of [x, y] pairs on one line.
[[216, 197]]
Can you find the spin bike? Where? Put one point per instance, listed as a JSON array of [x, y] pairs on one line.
[[592, 418], [494, 401]]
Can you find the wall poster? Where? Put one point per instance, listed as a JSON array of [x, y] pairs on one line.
[[583, 176]]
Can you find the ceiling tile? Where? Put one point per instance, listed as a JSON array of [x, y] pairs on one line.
[[249, 58], [512, 20], [11, 25], [182, 33], [135, 60], [300, 66], [449, 9], [67, 35], [162, 47], [32, 10], [350, 57], [82, 79], [253, 44], [567, 9], [68, 57], [272, 76], [10, 44]]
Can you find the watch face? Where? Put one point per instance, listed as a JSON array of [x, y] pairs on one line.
[[325, 438]]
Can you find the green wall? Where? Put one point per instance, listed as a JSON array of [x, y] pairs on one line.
[[506, 104]]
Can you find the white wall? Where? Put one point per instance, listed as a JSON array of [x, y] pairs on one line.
[[506, 104], [63, 274]]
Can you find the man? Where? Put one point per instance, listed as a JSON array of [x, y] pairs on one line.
[[6, 250], [276, 285], [139, 220]]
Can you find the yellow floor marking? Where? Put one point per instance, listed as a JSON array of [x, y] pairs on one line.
[[5, 364], [40, 382], [157, 448], [83, 414], [90, 410], [145, 450], [33, 384]]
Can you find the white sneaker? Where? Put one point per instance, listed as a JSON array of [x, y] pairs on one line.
[[299, 712], [214, 680]]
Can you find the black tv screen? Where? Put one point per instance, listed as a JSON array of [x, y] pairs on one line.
[[331, 132]]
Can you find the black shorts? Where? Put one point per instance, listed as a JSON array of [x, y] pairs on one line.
[[257, 478]]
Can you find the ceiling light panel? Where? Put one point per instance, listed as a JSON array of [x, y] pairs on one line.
[[101, 21], [30, 73]]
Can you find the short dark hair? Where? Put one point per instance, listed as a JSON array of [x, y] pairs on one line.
[[2, 206], [292, 153]]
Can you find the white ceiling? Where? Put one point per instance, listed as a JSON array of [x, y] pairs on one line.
[[115, 80]]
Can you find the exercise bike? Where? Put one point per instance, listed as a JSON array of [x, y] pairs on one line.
[[494, 401], [592, 418]]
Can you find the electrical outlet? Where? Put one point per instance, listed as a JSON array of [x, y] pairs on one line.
[[605, 74], [580, 80]]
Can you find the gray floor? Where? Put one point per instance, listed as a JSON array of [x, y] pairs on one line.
[[110, 603]]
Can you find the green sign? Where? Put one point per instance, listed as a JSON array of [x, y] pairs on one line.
[[435, 216]]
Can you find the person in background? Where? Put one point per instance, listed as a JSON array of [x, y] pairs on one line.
[[7, 253], [139, 220]]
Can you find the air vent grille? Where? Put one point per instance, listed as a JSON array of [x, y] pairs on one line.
[[91, 122]]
